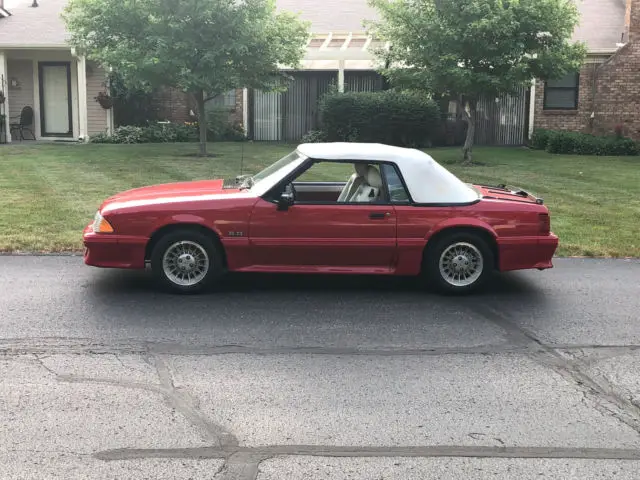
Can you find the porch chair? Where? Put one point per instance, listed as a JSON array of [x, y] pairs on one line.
[[25, 122]]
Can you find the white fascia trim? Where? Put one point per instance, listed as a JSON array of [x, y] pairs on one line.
[[336, 54], [13, 46], [602, 51]]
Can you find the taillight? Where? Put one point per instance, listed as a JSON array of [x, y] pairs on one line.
[[544, 223]]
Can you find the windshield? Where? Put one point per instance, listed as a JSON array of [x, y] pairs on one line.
[[274, 172]]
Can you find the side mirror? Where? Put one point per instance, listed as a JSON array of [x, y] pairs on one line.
[[285, 201]]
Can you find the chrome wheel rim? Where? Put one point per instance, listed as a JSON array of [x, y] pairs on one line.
[[185, 263], [461, 264]]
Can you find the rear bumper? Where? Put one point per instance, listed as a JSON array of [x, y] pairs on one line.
[[113, 251], [519, 253]]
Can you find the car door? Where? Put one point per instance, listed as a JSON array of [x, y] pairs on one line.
[[323, 236]]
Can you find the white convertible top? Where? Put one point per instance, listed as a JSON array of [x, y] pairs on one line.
[[426, 179]]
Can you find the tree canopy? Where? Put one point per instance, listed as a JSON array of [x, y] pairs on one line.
[[466, 49], [203, 47]]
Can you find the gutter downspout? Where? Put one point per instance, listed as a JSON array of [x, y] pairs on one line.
[[594, 94], [532, 107]]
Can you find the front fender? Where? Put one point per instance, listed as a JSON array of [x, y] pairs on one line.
[[187, 218]]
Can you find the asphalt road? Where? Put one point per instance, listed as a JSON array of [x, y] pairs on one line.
[[297, 378]]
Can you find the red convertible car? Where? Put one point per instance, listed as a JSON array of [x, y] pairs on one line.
[[376, 209]]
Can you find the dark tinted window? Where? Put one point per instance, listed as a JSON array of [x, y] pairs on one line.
[[562, 93]]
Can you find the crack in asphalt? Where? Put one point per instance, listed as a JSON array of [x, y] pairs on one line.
[[523, 342], [39, 359], [186, 405], [242, 463], [178, 400], [253, 455], [595, 386]]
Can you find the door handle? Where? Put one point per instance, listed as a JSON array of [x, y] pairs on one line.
[[378, 215]]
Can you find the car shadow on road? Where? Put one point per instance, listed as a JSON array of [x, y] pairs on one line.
[[316, 310], [117, 282]]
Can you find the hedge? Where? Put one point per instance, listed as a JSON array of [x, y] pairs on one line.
[[575, 143], [394, 118], [218, 129]]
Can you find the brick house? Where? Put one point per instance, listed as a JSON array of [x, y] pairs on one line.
[[606, 91]]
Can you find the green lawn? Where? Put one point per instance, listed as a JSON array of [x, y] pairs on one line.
[[50, 192]]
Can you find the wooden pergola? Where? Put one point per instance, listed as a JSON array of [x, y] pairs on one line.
[[340, 51]]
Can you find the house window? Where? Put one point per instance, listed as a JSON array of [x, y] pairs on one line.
[[562, 94], [225, 100]]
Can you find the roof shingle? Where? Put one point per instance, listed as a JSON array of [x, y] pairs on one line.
[[39, 26], [601, 24]]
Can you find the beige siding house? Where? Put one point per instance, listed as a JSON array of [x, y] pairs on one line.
[[39, 70]]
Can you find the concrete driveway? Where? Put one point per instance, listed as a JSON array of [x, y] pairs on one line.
[[319, 378]]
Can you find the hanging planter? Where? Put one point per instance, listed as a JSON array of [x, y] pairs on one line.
[[104, 100]]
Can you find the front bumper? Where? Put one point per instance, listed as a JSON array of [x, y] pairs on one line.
[[519, 253], [108, 250]]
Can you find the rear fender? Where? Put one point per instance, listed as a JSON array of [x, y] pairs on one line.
[[465, 223], [461, 222]]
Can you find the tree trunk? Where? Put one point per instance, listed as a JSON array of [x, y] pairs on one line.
[[202, 123], [470, 117]]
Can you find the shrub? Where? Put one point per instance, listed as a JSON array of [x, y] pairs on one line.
[[220, 129], [395, 118], [101, 137], [234, 132], [170, 132], [585, 144], [540, 138], [314, 136], [129, 134]]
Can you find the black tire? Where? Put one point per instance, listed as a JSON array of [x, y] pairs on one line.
[[213, 273], [434, 252]]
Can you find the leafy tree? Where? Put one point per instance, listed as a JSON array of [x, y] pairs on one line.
[[466, 49], [203, 47]]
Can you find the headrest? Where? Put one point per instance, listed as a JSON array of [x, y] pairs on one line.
[[361, 169], [373, 177]]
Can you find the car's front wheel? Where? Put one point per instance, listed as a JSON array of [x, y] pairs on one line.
[[186, 261], [459, 262]]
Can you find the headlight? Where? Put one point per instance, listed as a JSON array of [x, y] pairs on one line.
[[100, 225]]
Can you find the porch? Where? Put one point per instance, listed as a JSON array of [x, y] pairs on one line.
[[50, 95]]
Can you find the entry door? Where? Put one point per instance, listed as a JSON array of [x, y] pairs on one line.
[[331, 238], [55, 99]]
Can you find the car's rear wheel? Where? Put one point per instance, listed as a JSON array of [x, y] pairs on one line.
[[459, 262], [186, 261]]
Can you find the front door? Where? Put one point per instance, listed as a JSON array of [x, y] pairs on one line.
[[330, 238], [55, 99], [324, 229]]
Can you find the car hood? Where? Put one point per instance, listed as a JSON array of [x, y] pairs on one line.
[[171, 192]]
